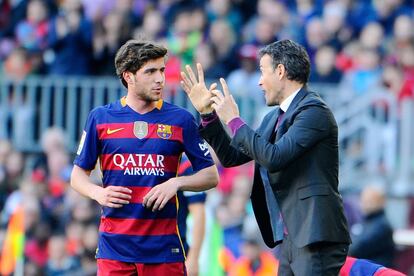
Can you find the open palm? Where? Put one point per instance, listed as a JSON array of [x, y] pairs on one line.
[[197, 90]]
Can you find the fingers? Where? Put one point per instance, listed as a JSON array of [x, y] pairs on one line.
[[200, 73], [191, 74], [185, 82], [159, 203], [120, 189], [225, 87], [233, 100], [218, 94], [185, 87], [156, 200], [212, 86], [117, 196], [147, 200], [118, 200], [113, 205]]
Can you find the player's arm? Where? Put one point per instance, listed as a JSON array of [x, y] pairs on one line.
[[111, 196], [202, 180], [197, 211]]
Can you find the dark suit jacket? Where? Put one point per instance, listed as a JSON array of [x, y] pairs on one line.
[[302, 166]]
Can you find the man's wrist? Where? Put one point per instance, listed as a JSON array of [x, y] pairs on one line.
[[207, 118]]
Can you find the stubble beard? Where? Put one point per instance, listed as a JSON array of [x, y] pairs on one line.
[[148, 97]]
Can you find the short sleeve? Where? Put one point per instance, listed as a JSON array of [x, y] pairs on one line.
[[88, 149], [195, 147]]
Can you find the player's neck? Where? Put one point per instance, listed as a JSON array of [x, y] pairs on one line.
[[139, 105]]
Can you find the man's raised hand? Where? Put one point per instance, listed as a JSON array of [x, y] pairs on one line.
[[196, 90]]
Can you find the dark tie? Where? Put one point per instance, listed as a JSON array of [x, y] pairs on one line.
[[281, 113]]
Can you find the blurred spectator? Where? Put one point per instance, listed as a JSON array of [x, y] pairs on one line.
[[264, 33], [386, 11], [5, 149], [182, 38], [13, 170], [224, 43], [70, 38], [254, 261], [205, 55], [5, 152], [60, 262], [316, 36], [199, 21], [392, 78], [372, 37], [333, 18], [275, 13], [365, 75], [245, 84], [108, 36], [223, 9], [403, 35], [324, 68], [372, 239], [152, 28], [407, 64], [32, 33], [53, 140], [17, 65], [306, 10], [12, 12], [36, 245]]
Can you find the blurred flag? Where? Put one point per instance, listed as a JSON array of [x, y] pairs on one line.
[[13, 246]]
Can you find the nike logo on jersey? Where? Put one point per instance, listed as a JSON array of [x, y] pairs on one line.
[[111, 131]]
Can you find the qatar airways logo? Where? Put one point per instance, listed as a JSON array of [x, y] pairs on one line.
[[140, 164]]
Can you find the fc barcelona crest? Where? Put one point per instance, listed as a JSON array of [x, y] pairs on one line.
[[140, 129], [164, 131]]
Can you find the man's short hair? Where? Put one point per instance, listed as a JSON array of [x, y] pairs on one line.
[[134, 54], [292, 55]]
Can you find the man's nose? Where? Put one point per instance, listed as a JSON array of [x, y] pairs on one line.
[[160, 77]]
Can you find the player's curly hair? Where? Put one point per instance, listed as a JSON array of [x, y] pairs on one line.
[[134, 54]]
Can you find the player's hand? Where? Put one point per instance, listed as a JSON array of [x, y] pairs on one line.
[[159, 195], [192, 266], [224, 105], [196, 90], [113, 196]]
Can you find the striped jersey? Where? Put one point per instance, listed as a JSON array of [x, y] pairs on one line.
[[139, 151]]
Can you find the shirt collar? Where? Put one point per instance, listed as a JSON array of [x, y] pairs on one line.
[[286, 103]]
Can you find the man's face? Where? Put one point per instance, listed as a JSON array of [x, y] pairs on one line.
[[271, 81], [148, 82]]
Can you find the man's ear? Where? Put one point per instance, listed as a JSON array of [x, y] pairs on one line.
[[281, 71], [127, 77]]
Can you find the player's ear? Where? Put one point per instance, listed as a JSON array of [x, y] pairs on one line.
[[127, 76]]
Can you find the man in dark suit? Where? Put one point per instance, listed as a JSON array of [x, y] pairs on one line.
[[295, 191]]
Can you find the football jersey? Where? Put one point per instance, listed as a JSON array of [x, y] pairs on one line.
[[139, 151]]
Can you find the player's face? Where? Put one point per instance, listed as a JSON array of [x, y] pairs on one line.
[[271, 81], [148, 82]]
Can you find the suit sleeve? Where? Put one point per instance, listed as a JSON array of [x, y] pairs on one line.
[[310, 125], [219, 140]]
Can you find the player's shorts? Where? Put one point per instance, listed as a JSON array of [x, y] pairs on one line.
[[108, 267]]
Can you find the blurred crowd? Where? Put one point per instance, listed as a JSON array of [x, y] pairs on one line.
[[360, 45]]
